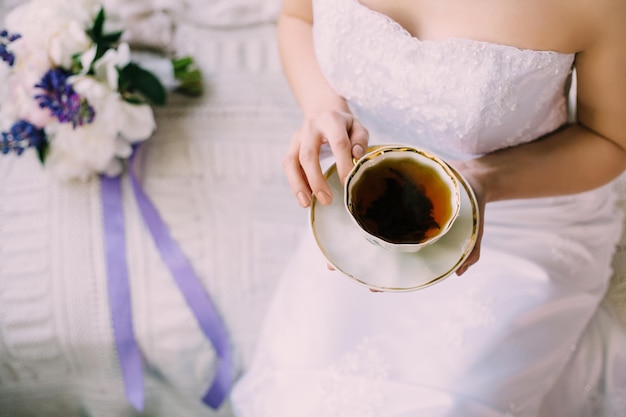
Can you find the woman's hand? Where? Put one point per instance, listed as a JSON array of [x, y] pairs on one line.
[[347, 139], [479, 191]]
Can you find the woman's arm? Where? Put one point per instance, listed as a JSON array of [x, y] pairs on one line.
[[295, 42], [327, 116], [584, 155], [578, 157]]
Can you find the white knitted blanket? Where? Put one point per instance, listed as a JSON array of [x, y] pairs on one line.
[[213, 169]]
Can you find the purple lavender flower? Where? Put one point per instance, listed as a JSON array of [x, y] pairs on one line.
[[22, 135], [5, 39], [64, 103]]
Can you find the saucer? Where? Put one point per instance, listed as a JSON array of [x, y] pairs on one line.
[[346, 249]]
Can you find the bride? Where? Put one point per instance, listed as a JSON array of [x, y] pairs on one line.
[[519, 330]]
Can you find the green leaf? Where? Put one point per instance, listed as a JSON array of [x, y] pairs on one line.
[[132, 99], [95, 33], [77, 66], [188, 75], [134, 79], [191, 84], [111, 38], [181, 64], [42, 151], [100, 50]]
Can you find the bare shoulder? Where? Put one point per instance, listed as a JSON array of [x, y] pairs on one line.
[[601, 65], [597, 22]]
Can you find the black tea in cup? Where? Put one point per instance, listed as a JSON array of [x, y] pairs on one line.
[[401, 201]]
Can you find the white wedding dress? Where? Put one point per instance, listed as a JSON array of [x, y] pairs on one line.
[[523, 333]]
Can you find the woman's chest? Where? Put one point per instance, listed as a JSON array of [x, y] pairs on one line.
[[530, 24], [473, 96]]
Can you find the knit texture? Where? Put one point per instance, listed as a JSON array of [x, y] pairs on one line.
[[213, 170]]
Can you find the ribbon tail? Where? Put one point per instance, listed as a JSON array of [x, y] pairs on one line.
[[118, 288], [221, 383], [194, 293]]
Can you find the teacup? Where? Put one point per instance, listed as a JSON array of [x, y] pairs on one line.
[[402, 198]]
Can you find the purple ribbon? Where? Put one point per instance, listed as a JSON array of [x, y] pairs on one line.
[[190, 286], [119, 290]]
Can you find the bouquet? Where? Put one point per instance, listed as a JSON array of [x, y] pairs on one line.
[[72, 92]]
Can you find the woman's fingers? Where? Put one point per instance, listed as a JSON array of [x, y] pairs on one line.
[[295, 175], [312, 136], [349, 145], [346, 137], [474, 256], [359, 136], [471, 259]]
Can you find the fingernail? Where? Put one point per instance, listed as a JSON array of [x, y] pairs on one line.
[[357, 151], [303, 199], [323, 197]]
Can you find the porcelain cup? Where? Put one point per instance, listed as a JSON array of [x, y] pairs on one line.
[[401, 197]]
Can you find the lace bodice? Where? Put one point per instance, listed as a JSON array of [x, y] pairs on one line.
[[457, 97]]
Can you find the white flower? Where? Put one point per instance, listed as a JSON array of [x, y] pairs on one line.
[[53, 34], [17, 98], [96, 147], [136, 121], [133, 122], [106, 68], [54, 27], [86, 59], [5, 93], [79, 153], [67, 43]]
